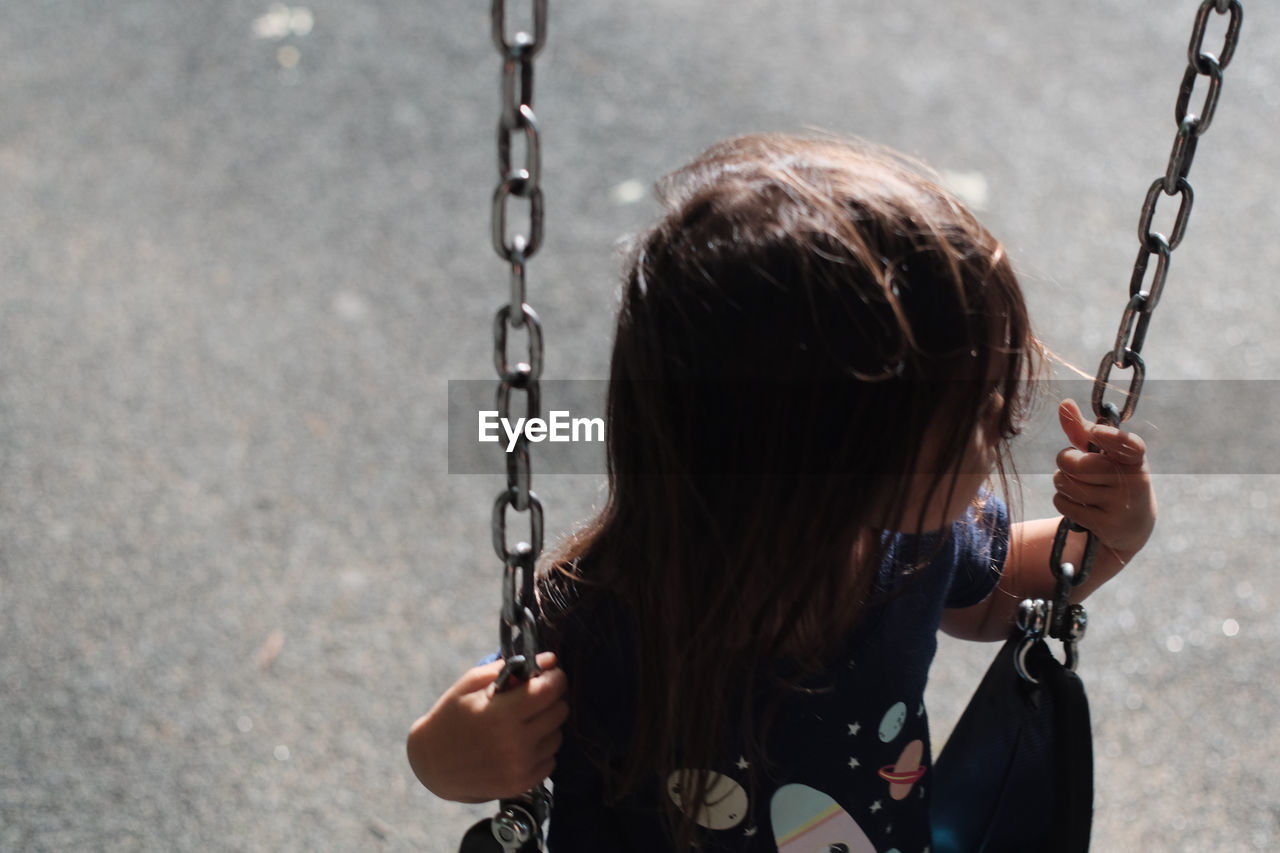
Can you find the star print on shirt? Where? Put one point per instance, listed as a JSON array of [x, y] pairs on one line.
[[875, 807], [743, 764], [920, 713], [854, 764], [750, 832], [854, 728]]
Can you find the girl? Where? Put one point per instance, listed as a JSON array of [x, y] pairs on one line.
[[820, 357]]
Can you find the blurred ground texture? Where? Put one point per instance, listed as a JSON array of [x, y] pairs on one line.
[[242, 250]]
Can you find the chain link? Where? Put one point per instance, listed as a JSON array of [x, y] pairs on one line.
[[517, 376], [1058, 618]]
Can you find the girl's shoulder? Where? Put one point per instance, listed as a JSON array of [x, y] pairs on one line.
[[984, 526], [960, 565], [978, 549]]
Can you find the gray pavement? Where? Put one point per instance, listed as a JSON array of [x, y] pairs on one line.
[[238, 265]]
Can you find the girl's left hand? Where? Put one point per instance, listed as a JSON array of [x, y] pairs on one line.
[[1109, 492]]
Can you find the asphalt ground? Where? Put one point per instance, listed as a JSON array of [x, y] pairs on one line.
[[242, 253]]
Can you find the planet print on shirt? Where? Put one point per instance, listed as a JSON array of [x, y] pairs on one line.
[[726, 803], [806, 820], [894, 719], [906, 771]]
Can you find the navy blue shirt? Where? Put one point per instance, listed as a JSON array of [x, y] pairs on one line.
[[849, 765]]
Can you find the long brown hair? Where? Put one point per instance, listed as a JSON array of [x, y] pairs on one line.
[[806, 315]]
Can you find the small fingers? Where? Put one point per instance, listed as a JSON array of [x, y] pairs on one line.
[[549, 744], [1073, 424], [528, 700], [546, 689], [1118, 445], [536, 762], [1098, 469], [1081, 492], [1091, 517], [478, 678], [1089, 468], [1096, 482], [549, 720]]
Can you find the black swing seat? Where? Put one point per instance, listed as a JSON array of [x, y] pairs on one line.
[[1017, 772]]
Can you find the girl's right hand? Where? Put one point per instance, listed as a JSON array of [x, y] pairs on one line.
[[1108, 491], [477, 745]]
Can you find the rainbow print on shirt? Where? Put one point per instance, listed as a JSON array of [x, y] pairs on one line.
[[805, 819]]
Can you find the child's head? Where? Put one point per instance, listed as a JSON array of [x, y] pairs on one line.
[[809, 315]]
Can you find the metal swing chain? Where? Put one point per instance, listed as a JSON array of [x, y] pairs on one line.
[[1059, 618], [517, 828], [518, 631]]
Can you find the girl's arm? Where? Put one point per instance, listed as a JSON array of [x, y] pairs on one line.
[[476, 745], [1108, 492]]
